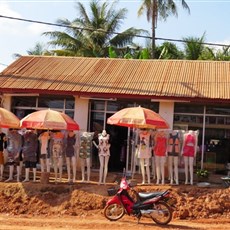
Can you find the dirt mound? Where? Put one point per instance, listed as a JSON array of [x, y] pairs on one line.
[[84, 199]]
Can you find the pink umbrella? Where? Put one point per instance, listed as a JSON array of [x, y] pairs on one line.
[[49, 119], [138, 117], [8, 119]]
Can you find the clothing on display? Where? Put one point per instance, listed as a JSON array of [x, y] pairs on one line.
[[174, 144], [14, 145], [85, 145], [70, 143], [144, 145], [160, 147], [44, 141], [104, 144], [189, 144]]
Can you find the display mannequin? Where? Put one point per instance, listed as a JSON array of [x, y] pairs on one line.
[[160, 152], [14, 145], [29, 153], [85, 153], [173, 156], [70, 155], [104, 154], [57, 153], [44, 153], [144, 153], [189, 152], [2, 150]]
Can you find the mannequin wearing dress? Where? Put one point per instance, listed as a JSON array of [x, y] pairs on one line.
[[44, 156], [85, 154], [160, 152], [29, 153], [71, 156], [189, 152], [173, 156], [57, 153], [14, 146], [104, 155], [144, 153]]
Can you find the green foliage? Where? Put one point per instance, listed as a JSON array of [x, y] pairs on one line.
[[93, 32], [203, 173]]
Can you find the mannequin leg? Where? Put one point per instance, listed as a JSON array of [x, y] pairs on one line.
[[18, 173], [153, 167], [142, 164], [68, 168], [147, 170], [55, 168], [20, 168], [186, 169], [176, 173], [162, 169], [34, 174], [11, 170], [105, 168], [170, 168], [101, 159], [157, 161], [74, 167], [42, 162], [82, 170], [47, 164], [88, 168], [60, 164], [27, 172], [1, 172], [191, 159]]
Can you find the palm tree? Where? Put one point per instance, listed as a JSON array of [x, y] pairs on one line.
[[169, 50], [93, 32], [194, 47], [159, 9], [38, 49]]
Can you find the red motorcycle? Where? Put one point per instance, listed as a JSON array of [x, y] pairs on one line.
[[156, 205]]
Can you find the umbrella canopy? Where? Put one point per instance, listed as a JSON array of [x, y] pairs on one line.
[[138, 117], [8, 119], [49, 119]]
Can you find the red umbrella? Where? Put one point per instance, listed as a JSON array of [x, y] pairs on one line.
[[49, 119], [138, 117], [8, 119]]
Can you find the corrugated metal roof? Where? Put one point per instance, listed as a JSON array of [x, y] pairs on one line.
[[131, 78]]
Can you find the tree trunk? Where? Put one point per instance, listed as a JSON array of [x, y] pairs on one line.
[[154, 17]]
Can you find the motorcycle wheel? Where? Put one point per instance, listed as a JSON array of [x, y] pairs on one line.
[[114, 212], [162, 214]]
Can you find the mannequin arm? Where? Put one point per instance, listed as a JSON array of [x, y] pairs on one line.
[[94, 143]]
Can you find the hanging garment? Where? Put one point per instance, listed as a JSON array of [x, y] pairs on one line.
[[189, 145], [173, 144]]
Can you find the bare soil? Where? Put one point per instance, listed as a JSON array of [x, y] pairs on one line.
[[34, 205]]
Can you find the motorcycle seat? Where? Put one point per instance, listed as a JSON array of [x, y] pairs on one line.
[[149, 195]]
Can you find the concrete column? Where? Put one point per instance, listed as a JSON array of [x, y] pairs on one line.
[[166, 110]]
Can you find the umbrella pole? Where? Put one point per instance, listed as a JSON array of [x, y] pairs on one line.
[[127, 152]]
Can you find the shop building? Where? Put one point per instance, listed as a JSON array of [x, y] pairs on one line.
[[188, 94]]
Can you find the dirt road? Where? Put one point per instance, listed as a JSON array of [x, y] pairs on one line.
[[97, 221]]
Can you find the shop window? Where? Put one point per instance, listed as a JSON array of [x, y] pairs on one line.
[[24, 101], [70, 104], [188, 108], [98, 105], [48, 102]]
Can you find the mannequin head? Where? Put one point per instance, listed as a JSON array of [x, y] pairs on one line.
[[104, 133]]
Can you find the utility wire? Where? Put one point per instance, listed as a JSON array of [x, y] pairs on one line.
[[117, 33]]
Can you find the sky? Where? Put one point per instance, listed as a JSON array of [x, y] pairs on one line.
[[17, 37]]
